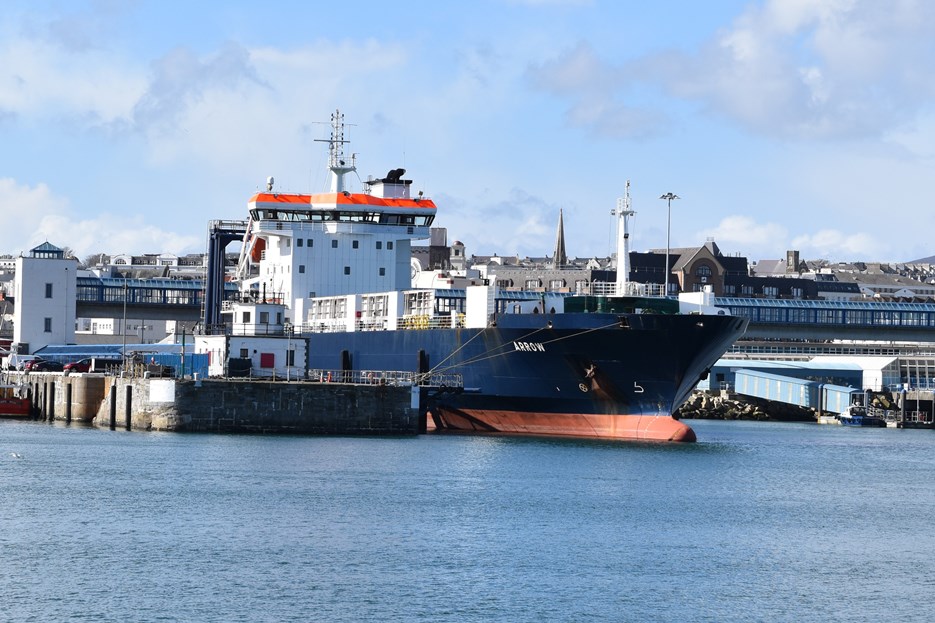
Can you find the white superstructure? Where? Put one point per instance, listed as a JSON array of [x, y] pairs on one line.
[[335, 243]]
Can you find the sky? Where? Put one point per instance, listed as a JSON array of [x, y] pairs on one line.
[[126, 126]]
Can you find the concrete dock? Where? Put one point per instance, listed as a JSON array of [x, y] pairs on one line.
[[227, 405]]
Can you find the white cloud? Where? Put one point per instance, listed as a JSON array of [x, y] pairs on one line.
[[832, 243], [32, 215], [748, 236], [109, 233], [798, 68], [519, 224], [40, 83]]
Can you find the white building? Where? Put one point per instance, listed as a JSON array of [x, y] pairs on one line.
[[259, 345], [45, 299]]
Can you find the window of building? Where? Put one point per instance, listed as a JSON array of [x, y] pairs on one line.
[[48, 290], [298, 242], [798, 292], [771, 291], [703, 271], [334, 244], [264, 317], [244, 353], [347, 270], [555, 284], [730, 290], [48, 325], [532, 283], [746, 290], [301, 268], [355, 244], [379, 244], [382, 272]]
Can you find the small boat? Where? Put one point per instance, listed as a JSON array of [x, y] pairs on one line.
[[14, 400], [856, 415]]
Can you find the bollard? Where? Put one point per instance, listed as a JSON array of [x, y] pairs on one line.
[[68, 403], [128, 405], [52, 401], [113, 406]]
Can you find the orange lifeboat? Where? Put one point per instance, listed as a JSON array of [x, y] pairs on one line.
[[258, 247]]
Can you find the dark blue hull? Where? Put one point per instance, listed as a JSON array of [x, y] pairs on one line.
[[553, 368]]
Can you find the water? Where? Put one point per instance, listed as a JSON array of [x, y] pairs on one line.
[[756, 522]]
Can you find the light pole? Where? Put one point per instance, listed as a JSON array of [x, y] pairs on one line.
[[123, 329], [668, 197]]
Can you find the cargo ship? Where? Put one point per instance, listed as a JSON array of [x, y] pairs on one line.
[[495, 361]]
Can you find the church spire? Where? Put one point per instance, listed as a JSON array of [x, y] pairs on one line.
[[559, 259]]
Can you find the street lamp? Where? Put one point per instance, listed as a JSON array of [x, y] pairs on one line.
[[123, 329], [668, 197]]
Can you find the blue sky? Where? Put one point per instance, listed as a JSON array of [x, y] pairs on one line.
[[792, 124]]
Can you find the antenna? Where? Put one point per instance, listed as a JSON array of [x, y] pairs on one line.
[[623, 213], [336, 160]]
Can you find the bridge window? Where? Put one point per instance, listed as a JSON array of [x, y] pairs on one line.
[[347, 270], [379, 244], [389, 245], [355, 244], [310, 242], [301, 268], [48, 290], [264, 317], [244, 353], [298, 242], [48, 325], [334, 244], [246, 316], [382, 272]]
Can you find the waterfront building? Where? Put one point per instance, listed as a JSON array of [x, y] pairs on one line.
[[44, 290]]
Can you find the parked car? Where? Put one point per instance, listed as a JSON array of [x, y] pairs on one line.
[[92, 364], [82, 365], [43, 365], [19, 362]]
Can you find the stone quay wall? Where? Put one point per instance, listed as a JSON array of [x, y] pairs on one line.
[[241, 406], [225, 405]]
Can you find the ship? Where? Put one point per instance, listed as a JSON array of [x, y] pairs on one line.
[[334, 269]]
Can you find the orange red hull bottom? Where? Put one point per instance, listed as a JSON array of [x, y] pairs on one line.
[[629, 427]]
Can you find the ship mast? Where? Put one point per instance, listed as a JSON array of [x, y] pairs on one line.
[[623, 213], [336, 160]]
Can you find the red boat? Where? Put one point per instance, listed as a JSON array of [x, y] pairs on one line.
[[14, 401]]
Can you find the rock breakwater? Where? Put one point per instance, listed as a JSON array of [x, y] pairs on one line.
[[704, 405]]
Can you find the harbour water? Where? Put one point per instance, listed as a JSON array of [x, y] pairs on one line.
[[755, 522]]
